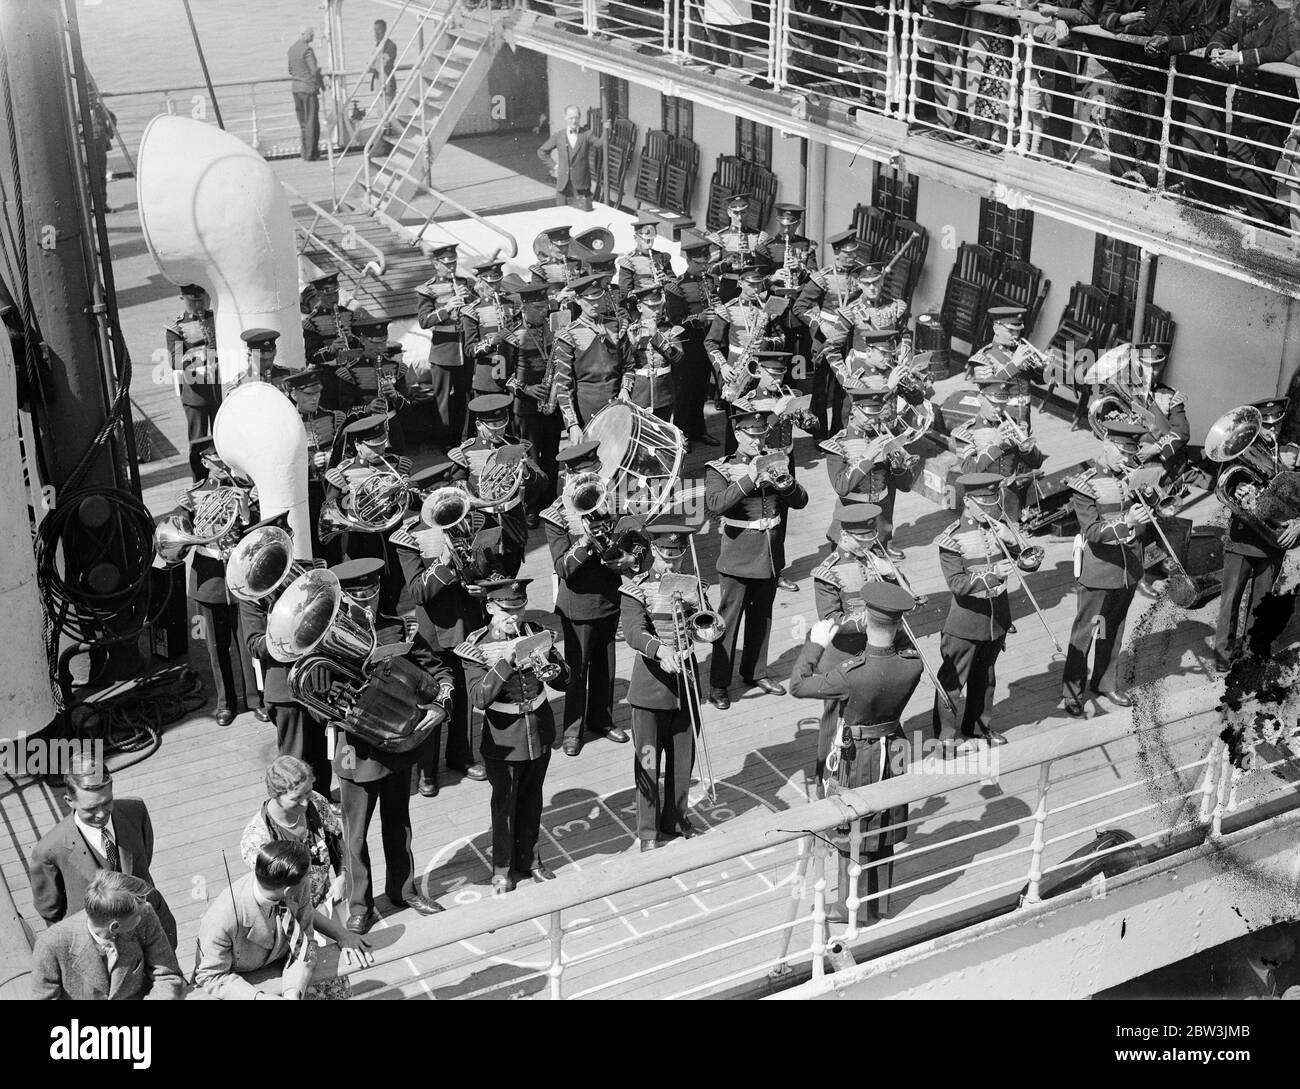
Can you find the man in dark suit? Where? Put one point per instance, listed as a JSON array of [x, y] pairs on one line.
[[575, 160], [99, 834], [113, 950]]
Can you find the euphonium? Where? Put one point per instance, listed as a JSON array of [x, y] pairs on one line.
[[314, 615]]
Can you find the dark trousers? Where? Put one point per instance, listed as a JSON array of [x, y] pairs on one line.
[[298, 734], [827, 394], [751, 599], [450, 387], [357, 801], [307, 107], [516, 811], [221, 630], [656, 731], [1105, 612], [460, 750], [580, 198], [1259, 572], [544, 434], [967, 674], [1135, 106], [691, 377], [589, 697], [198, 424], [1271, 619]]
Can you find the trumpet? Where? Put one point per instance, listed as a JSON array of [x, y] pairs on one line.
[[1012, 430], [1028, 558], [1027, 359]]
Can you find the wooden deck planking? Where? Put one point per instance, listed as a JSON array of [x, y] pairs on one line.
[[204, 783]]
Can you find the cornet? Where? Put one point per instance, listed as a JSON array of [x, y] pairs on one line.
[[774, 469]]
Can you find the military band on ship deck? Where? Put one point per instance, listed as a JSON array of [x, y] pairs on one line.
[[564, 403]]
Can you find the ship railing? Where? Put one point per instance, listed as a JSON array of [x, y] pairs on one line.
[[350, 239], [749, 905], [1218, 139]]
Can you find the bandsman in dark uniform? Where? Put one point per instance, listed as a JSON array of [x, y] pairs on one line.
[[555, 267], [297, 732], [362, 452], [323, 428], [646, 266], [588, 360], [749, 324], [795, 258], [1007, 327], [192, 349], [440, 568], [260, 362], [370, 779], [740, 247], [375, 382], [873, 688], [993, 442], [327, 332], [508, 671], [1113, 529], [1251, 561], [533, 347], [442, 298], [820, 300], [753, 510], [587, 603], [979, 616], [650, 351], [699, 297], [864, 464], [611, 307], [218, 612], [660, 692], [508, 455], [1164, 409], [486, 326]]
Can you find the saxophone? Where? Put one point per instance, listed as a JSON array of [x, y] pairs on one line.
[[745, 370]]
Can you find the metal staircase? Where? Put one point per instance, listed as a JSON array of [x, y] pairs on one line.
[[449, 54]]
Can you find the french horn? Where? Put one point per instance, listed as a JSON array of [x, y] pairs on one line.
[[375, 504], [215, 521]]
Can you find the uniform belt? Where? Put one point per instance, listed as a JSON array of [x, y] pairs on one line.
[[519, 708], [865, 497], [872, 731], [761, 523], [503, 507], [444, 328], [653, 372]]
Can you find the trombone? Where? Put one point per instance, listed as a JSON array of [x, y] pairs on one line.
[[708, 627], [1182, 590], [1029, 559]]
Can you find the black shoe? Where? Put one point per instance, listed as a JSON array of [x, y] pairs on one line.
[[532, 520], [1221, 664], [361, 924], [428, 787], [784, 583], [704, 439], [502, 883], [261, 714], [648, 845], [225, 717], [572, 746], [616, 734], [1073, 706], [686, 829], [477, 772], [993, 737], [764, 684], [719, 698], [893, 553], [540, 873], [417, 902], [1117, 698]]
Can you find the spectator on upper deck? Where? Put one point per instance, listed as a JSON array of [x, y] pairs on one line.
[[943, 25], [1236, 174], [1057, 71]]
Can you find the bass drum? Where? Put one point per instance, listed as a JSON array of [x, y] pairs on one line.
[[640, 457]]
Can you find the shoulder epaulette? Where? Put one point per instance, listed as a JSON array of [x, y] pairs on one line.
[[404, 465], [818, 277], [336, 478], [554, 515], [402, 537], [457, 453], [1175, 396], [825, 571], [946, 540], [1080, 483], [832, 446], [632, 587], [468, 649], [718, 465]]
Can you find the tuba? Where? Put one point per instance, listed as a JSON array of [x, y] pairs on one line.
[[337, 673], [1252, 482]]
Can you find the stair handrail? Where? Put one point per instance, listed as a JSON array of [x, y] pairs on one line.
[[374, 267], [510, 249], [378, 95], [434, 34], [417, 73]]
